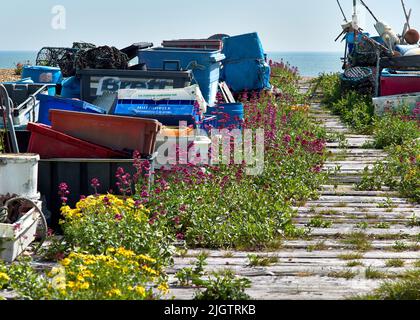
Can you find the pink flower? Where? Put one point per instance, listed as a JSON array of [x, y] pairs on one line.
[[287, 139], [180, 236]]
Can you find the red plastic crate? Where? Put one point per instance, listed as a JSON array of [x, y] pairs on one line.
[[115, 132], [51, 144], [399, 84]]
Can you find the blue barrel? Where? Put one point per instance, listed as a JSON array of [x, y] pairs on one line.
[[71, 88], [205, 65], [229, 115], [41, 74]]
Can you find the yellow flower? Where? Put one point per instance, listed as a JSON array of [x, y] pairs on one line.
[[126, 253], [141, 291], [146, 258], [164, 288], [84, 286], [65, 262], [80, 278], [4, 277], [150, 270], [71, 284], [114, 292]]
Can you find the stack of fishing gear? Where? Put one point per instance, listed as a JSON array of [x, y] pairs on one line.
[[358, 79], [63, 58], [104, 57]]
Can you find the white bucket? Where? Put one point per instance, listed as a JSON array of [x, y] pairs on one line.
[[19, 175]]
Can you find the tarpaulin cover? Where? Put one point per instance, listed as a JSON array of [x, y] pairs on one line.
[[245, 67]]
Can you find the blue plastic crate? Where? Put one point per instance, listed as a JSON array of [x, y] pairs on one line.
[[57, 103], [169, 113], [41, 74], [205, 65], [71, 88]]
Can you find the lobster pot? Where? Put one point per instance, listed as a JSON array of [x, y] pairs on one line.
[[19, 175], [358, 79]]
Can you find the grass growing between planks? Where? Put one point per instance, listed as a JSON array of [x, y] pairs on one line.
[[407, 288]]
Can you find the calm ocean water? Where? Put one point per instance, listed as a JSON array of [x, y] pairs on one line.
[[8, 59], [309, 63]]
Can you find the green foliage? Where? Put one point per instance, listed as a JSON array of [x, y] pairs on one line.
[[192, 277], [358, 241], [260, 261], [345, 274], [395, 129], [224, 286], [101, 222], [214, 214], [319, 222], [407, 288], [26, 282], [372, 274], [355, 109], [400, 171], [329, 84], [395, 263]]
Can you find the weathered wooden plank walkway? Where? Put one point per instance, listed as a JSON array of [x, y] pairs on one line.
[[368, 229]]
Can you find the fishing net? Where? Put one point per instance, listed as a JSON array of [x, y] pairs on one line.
[[102, 58], [364, 55], [83, 45], [358, 79], [62, 58]]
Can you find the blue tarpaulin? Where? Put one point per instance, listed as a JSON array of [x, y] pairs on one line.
[[245, 67]]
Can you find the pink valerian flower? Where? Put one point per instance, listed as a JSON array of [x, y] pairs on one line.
[[177, 220], [50, 232], [106, 201], [317, 169], [124, 182], [180, 236], [95, 184], [63, 192], [287, 139]]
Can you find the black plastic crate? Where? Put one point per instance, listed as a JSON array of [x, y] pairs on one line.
[[96, 82], [78, 174]]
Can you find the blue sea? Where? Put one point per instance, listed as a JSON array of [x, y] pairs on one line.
[[308, 63], [8, 59]]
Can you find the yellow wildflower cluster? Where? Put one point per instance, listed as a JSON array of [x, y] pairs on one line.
[[108, 205], [4, 278], [105, 276], [303, 108]]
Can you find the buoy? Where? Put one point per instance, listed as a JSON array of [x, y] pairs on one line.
[[412, 36]]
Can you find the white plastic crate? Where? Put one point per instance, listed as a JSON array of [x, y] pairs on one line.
[[16, 238]]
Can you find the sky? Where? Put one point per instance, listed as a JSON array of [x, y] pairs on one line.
[[283, 25]]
